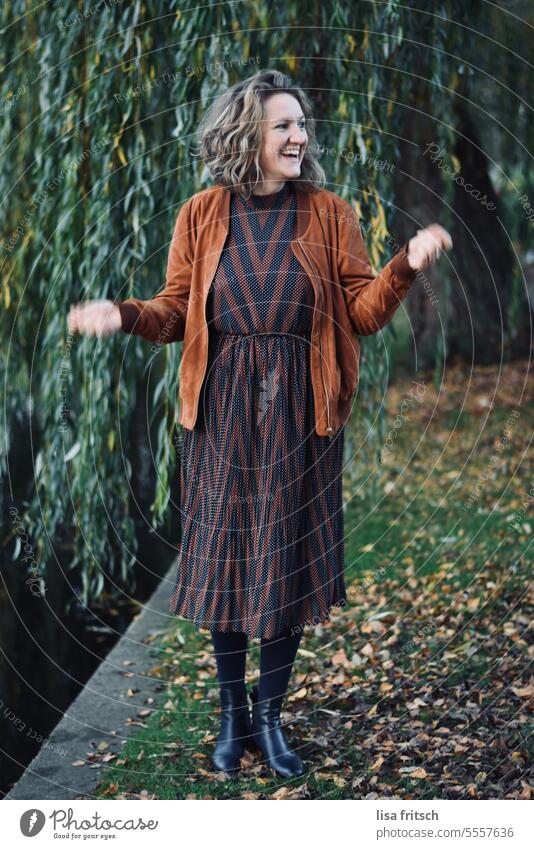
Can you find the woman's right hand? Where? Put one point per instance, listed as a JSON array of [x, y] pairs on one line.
[[95, 318]]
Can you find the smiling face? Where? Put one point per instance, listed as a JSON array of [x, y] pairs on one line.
[[284, 140]]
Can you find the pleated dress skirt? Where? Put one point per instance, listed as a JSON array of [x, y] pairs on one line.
[[262, 546]]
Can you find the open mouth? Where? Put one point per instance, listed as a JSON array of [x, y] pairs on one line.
[[291, 153]]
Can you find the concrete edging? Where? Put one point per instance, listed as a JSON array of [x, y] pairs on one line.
[[100, 711]]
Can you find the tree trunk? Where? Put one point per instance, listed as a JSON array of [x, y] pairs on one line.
[[480, 265]]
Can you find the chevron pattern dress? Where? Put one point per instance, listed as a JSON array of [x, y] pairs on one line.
[[261, 492]]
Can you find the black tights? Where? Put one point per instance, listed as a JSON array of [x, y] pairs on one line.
[[277, 655]]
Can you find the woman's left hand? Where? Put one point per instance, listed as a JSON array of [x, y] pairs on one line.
[[426, 246]]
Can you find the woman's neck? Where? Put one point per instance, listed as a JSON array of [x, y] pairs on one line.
[[269, 187]]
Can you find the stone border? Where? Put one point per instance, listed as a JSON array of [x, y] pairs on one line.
[[100, 711]]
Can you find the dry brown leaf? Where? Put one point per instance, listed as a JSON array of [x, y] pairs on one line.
[[298, 695], [414, 771], [524, 692]]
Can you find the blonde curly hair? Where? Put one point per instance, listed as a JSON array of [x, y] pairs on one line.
[[231, 133]]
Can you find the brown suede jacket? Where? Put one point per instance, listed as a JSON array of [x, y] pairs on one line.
[[349, 298]]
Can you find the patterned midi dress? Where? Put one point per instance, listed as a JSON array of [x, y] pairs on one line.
[[262, 547]]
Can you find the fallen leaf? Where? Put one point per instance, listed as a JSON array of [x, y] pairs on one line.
[[414, 771]]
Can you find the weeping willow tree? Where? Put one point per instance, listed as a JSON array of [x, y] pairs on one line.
[[100, 109]]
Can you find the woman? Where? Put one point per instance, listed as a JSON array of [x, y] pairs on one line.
[[268, 284]]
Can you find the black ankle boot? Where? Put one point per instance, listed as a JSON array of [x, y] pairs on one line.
[[268, 736], [234, 734]]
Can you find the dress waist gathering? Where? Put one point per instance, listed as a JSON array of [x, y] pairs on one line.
[[300, 334]]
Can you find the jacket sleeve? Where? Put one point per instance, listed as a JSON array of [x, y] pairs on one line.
[[162, 319], [371, 299]]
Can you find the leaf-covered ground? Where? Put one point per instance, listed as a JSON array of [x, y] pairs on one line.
[[422, 687]]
